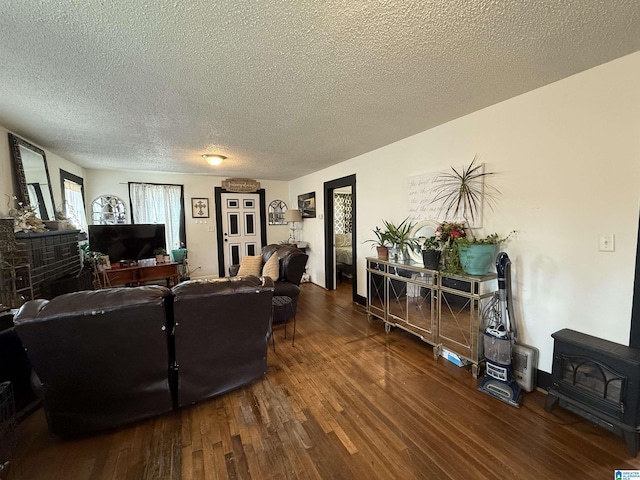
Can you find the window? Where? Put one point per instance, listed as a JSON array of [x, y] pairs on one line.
[[154, 203], [73, 200]]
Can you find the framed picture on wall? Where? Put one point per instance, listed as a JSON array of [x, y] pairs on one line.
[[200, 207], [307, 204]]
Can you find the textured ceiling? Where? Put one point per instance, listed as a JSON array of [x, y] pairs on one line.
[[282, 88]]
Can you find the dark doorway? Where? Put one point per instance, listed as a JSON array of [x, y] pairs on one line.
[[330, 233]]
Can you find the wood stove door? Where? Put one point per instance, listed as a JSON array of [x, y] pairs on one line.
[[590, 382]]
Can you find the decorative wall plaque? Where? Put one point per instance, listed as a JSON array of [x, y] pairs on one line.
[[199, 207], [240, 185]]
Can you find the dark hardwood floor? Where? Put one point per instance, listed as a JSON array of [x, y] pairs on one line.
[[348, 401]]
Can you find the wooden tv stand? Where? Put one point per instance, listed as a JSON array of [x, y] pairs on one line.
[[143, 273]]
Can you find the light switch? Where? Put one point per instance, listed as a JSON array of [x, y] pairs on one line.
[[606, 242]]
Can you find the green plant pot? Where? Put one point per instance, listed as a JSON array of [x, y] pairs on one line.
[[477, 259], [178, 254], [431, 259]]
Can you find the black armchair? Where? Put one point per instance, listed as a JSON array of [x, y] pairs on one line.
[[292, 263]]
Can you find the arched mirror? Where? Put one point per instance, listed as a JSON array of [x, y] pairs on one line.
[[277, 209], [108, 210], [32, 181], [425, 228]]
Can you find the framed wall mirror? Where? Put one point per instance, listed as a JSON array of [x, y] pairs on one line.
[[108, 210], [32, 177], [277, 209]]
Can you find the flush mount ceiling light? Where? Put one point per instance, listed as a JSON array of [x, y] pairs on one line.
[[214, 160]]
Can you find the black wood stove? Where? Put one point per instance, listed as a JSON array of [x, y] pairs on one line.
[[599, 380]]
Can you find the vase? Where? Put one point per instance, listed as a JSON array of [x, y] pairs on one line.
[[383, 253], [403, 255], [179, 254], [431, 259], [476, 259]]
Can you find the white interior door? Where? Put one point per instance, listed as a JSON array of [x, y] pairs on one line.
[[240, 226]]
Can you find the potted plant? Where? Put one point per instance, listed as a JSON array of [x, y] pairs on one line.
[[159, 253], [179, 254], [400, 237], [96, 263], [88, 255], [431, 251], [461, 192], [477, 255], [381, 243], [447, 233]]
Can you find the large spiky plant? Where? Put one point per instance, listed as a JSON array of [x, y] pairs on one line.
[[461, 192]]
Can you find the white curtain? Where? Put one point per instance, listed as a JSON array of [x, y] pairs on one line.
[[158, 204], [74, 205]]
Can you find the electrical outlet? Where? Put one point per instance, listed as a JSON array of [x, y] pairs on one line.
[[606, 242]]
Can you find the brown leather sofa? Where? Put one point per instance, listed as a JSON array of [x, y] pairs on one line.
[[292, 262], [105, 358], [100, 358]]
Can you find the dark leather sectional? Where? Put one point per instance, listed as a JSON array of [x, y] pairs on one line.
[[105, 358]]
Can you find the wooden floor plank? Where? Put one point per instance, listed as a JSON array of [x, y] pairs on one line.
[[348, 401]]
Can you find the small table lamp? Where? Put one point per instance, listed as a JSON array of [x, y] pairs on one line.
[[292, 216]]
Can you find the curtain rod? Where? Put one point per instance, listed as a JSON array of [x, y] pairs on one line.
[[148, 183]]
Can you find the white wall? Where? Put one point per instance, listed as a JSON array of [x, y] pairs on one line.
[[567, 158], [201, 237]]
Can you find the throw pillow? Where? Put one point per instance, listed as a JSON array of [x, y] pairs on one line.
[[271, 269], [250, 265]]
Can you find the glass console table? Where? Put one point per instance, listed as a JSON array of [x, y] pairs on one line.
[[442, 309]]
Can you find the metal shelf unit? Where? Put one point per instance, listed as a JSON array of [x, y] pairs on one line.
[[441, 309]]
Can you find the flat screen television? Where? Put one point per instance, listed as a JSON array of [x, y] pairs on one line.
[[127, 242]]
